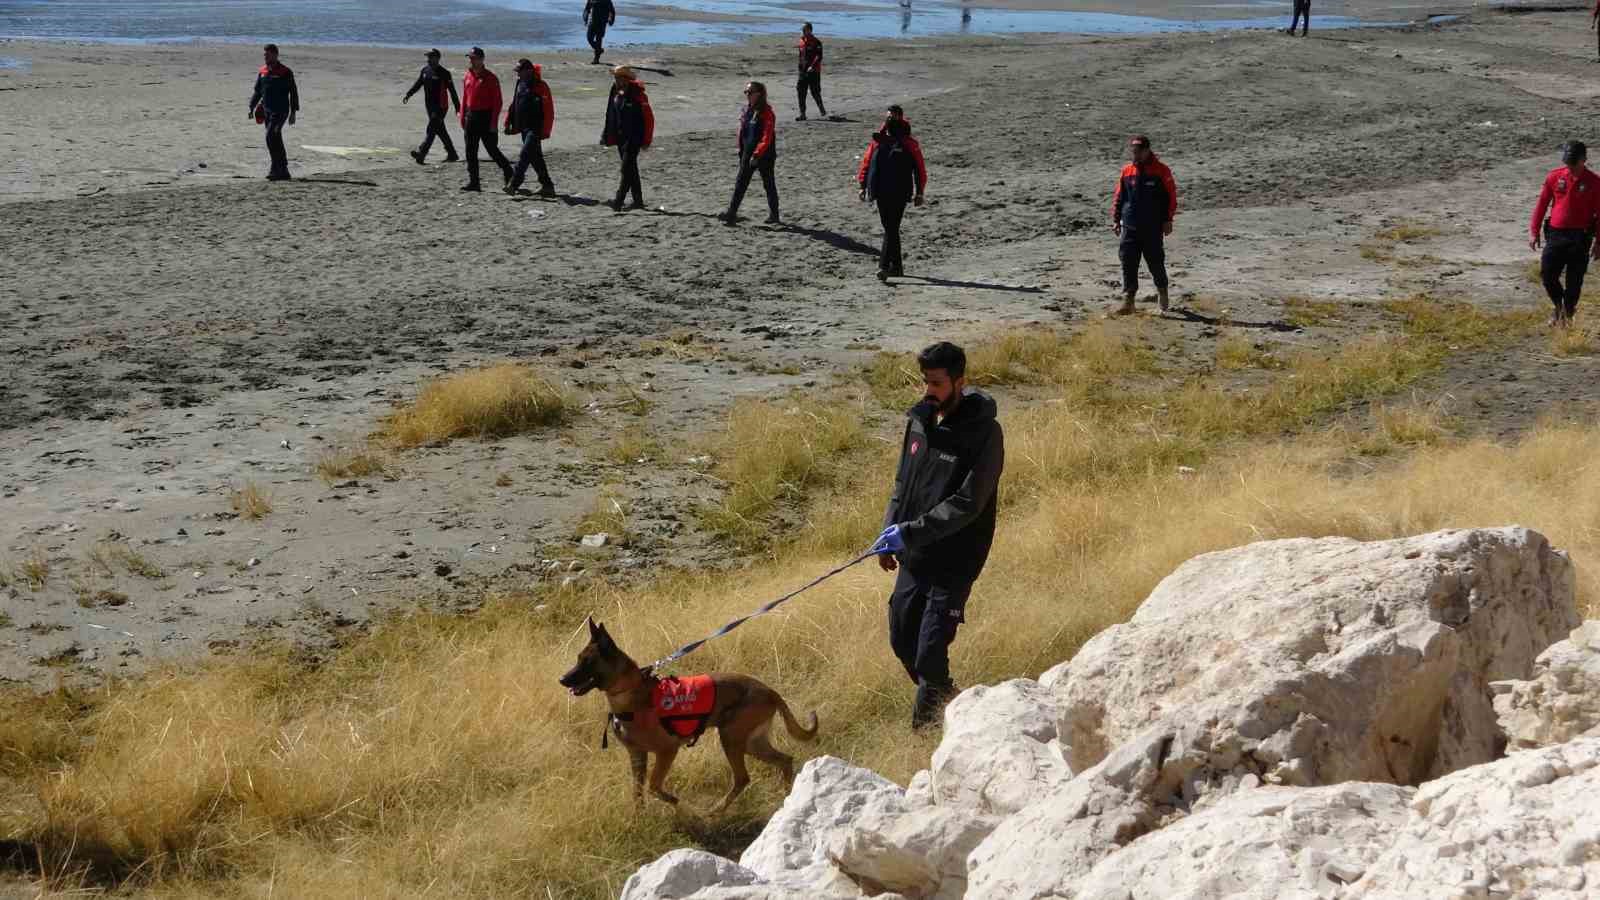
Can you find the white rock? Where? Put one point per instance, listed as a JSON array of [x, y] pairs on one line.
[[921, 853], [828, 793], [919, 792], [680, 873], [598, 539], [1526, 827], [1319, 661], [1562, 700], [996, 755]]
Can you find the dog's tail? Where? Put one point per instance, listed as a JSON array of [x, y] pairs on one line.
[[790, 723]]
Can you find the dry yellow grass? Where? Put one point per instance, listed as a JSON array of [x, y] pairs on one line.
[[1239, 352], [1307, 313], [495, 401], [33, 571], [108, 556], [250, 501], [358, 461], [634, 445], [1573, 341], [438, 756]]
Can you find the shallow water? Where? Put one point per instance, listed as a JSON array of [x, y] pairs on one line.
[[550, 24]]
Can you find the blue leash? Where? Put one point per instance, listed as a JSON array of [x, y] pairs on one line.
[[686, 649]]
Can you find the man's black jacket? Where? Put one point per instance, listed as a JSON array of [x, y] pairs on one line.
[[945, 489]]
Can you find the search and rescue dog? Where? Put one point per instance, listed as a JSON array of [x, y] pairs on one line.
[[649, 714]]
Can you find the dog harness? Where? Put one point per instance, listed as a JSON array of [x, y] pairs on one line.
[[682, 706]]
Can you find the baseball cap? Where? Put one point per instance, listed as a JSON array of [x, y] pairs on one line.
[[477, 53], [1572, 151], [1139, 140], [433, 54]]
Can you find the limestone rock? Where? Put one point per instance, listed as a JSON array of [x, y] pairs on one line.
[[919, 792], [1562, 700], [921, 853], [1307, 662], [1524, 828], [828, 794], [680, 873], [998, 752]]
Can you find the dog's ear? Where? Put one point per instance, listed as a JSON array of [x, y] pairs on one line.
[[605, 641], [595, 631]]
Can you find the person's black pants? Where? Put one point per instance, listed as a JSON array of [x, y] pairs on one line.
[[1144, 243], [810, 81], [630, 175], [436, 129], [1566, 250], [890, 211], [597, 38], [923, 618], [767, 166], [1301, 8], [532, 155], [479, 127], [275, 148]]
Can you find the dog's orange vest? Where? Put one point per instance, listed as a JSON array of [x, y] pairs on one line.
[[683, 705]]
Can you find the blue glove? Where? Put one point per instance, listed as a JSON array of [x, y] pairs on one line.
[[889, 541]]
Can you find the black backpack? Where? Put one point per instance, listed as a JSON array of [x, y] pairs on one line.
[[892, 172]]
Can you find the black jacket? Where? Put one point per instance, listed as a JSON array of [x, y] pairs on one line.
[[624, 118], [275, 90], [526, 112], [438, 89], [945, 490]]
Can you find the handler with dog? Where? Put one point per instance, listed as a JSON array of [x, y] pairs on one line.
[[940, 521]]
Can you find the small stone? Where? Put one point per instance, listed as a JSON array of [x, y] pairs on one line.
[[252, 563], [441, 570], [402, 554], [595, 540]]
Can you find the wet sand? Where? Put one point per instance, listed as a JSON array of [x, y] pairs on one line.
[[165, 342]]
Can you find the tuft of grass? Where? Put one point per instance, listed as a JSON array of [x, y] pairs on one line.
[[504, 479], [772, 452], [361, 461], [1307, 313], [632, 445], [1238, 352], [496, 401], [33, 571], [1572, 341], [5, 619], [609, 515], [1407, 426], [108, 556], [250, 501], [1407, 232]]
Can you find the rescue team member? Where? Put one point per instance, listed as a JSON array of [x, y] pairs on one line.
[[598, 14], [1594, 23], [533, 115], [1142, 210], [274, 103], [1571, 194], [630, 126], [438, 95], [758, 152], [811, 72], [892, 173], [1301, 8], [940, 521], [480, 116]]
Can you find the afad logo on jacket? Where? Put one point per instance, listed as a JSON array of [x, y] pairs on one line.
[[915, 446]]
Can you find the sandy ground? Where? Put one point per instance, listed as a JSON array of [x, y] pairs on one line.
[[165, 343]]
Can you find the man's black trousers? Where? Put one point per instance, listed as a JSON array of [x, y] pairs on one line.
[[1144, 243], [890, 211], [923, 616], [810, 81], [480, 130], [532, 155], [630, 175], [1566, 250], [766, 167], [275, 148], [597, 35], [436, 129], [1301, 8]]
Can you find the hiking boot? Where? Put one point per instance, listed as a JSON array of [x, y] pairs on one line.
[[637, 204], [472, 186], [417, 155], [452, 158], [773, 219], [547, 191], [728, 218], [512, 190], [883, 274], [1163, 301], [1126, 309], [800, 118]]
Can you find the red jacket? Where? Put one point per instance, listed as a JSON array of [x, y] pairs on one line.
[[1572, 202], [1146, 195], [481, 93], [916, 156], [765, 128], [810, 55]]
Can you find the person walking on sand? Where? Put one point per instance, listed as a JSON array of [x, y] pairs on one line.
[[1302, 8], [892, 174], [758, 152], [630, 126], [1594, 25], [480, 117], [598, 14], [1142, 210], [1571, 195], [533, 115], [274, 103], [939, 524], [438, 95], [811, 72]]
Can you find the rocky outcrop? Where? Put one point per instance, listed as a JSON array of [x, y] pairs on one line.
[[1561, 702], [1310, 662], [999, 750], [1257, 730]]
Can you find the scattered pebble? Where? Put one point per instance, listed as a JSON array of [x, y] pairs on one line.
[[595, 540]]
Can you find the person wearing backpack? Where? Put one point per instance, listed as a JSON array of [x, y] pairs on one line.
[[892, 174], [758, 152], [532, 114], [630, 126]]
